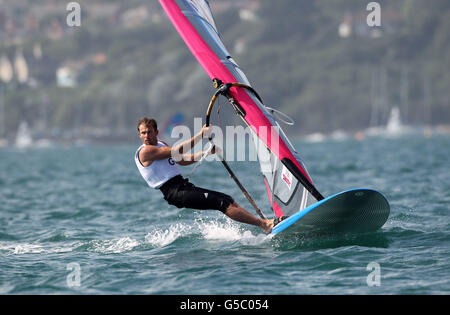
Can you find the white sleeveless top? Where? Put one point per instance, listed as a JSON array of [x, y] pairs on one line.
[[159, 172]]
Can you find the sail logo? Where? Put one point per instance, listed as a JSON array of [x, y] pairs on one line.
[[286, 176]]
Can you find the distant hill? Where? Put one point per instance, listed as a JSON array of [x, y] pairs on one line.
[[318, 61]]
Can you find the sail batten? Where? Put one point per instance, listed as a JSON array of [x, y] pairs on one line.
[[288, 184]]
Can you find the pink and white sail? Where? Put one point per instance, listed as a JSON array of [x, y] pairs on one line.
[[287, 181]]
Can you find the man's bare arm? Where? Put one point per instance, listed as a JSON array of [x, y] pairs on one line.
[[151, 153], [189, 144], [190, 158]]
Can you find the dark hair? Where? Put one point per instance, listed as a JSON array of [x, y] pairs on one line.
[[147, 122]]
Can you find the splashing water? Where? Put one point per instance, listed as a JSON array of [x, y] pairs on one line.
[[229, 231], [164, 237], [115, 246], [210, 230]]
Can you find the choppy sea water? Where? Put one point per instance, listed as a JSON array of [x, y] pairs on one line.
[[81, 220]]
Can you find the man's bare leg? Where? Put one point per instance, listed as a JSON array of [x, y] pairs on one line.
[[235, 212]]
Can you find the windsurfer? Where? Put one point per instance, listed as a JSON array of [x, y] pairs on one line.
[[155, 161]]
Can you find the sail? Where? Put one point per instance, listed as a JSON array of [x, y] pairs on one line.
[[287, 181]]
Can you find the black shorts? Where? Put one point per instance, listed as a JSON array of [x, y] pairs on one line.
[[180, 193]]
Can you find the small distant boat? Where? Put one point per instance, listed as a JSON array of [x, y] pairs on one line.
[[339, 135], [393, 128], [315, 137], [394, 124], [23, 137]]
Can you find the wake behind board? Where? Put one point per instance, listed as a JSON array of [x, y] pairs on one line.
[[357, 210]]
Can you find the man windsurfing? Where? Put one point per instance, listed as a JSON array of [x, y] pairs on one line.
[[154, 160]]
